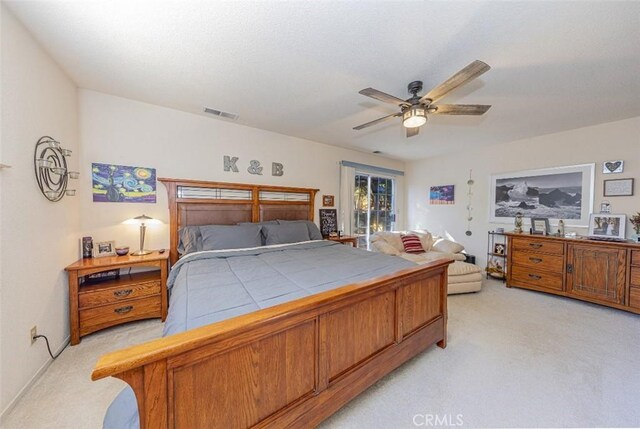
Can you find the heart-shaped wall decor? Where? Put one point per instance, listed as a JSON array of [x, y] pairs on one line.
[[613, 167]]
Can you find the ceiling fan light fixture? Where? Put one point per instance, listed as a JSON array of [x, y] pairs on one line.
[[415, 116]]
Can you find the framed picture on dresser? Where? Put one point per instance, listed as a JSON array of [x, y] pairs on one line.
[[104, 248]]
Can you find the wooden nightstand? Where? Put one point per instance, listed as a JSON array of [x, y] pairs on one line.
[[95, 306], [345, 239]]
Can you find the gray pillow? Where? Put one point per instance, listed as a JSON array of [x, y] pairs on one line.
[[292, 232], [268, 222], [314, 231], [218, 237], [189, 240]]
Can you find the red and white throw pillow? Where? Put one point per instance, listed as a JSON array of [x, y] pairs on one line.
[[412, 244]]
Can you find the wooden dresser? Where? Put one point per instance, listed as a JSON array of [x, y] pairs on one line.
[[601, 272]]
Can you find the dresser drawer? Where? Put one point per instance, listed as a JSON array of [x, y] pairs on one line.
[[634, 297], [635, 276], [539, 261], [117, 293], [536, 277], [93, 319], [537, 245], [635, 257]]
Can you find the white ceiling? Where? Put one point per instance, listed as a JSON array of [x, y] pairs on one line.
[[296, 67]]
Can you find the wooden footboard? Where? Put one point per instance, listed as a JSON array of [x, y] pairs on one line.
[[291, 365]]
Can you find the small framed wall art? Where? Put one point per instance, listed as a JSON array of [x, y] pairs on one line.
[[618, 187], [104, 248], [327, 201], [609, 167], [442, 194]]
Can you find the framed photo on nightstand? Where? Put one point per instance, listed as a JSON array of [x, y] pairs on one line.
[[104, 248]]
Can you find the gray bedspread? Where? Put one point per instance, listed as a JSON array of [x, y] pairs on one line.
[[207, 287]]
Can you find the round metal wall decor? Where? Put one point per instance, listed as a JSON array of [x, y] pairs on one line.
[[50, 166]]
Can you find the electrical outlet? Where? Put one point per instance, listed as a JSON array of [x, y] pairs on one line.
[[33, 333]]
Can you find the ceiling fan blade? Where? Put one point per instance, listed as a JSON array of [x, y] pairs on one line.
[[461, 109], [384, 118], [413, 131], [464, 76], [379, 95]]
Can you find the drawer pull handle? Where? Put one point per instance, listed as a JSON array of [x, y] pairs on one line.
[[122, 293], [534, 276], [123, 310], [535, 260], [535, 245]]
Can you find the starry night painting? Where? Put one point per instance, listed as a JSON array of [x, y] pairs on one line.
[[123, 184]]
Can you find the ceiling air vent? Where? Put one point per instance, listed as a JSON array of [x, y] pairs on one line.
[[220, 113]]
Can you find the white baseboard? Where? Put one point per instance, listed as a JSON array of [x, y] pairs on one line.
[[31, 382]]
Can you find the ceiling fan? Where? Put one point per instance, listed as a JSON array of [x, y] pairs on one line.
[[414, 110]]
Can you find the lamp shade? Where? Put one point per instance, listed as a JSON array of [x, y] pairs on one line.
[[415, 116], [142, 219]]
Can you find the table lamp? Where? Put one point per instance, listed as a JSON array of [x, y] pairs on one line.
[[143, 221]]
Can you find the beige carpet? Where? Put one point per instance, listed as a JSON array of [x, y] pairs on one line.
[[515, 359]]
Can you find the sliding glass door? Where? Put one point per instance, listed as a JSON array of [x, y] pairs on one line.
[[374, 201]]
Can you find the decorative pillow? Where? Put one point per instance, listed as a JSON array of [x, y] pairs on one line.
[[189, 240], [447, 246], [411, 243], [314, 231], [384, 247], [218, 237], [393, 238], [426, 239], [290, 232]]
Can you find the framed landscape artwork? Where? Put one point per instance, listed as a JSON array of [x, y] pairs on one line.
[[555, 193]]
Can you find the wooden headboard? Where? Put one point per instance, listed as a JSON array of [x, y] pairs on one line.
[[193, 202]]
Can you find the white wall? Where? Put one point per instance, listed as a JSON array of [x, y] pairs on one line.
[[188, 146], [595, 144], [39, 237]]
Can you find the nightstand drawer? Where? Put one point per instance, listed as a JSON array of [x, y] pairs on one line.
[[635, 257], [535, 277], [93, 319], [115, 294], [539, 261], [541, 245]]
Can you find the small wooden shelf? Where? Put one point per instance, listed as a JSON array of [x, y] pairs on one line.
[[493, 238], [122, 281]]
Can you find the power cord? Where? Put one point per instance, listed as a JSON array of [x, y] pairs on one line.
[[48, 347]]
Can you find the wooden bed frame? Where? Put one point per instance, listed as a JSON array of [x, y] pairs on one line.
[[291, 365]]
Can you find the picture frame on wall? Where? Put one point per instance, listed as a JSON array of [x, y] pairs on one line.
[[444, 194], [555, 193], [618, 187], [104, 248], [327, 201], [610, 167]]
